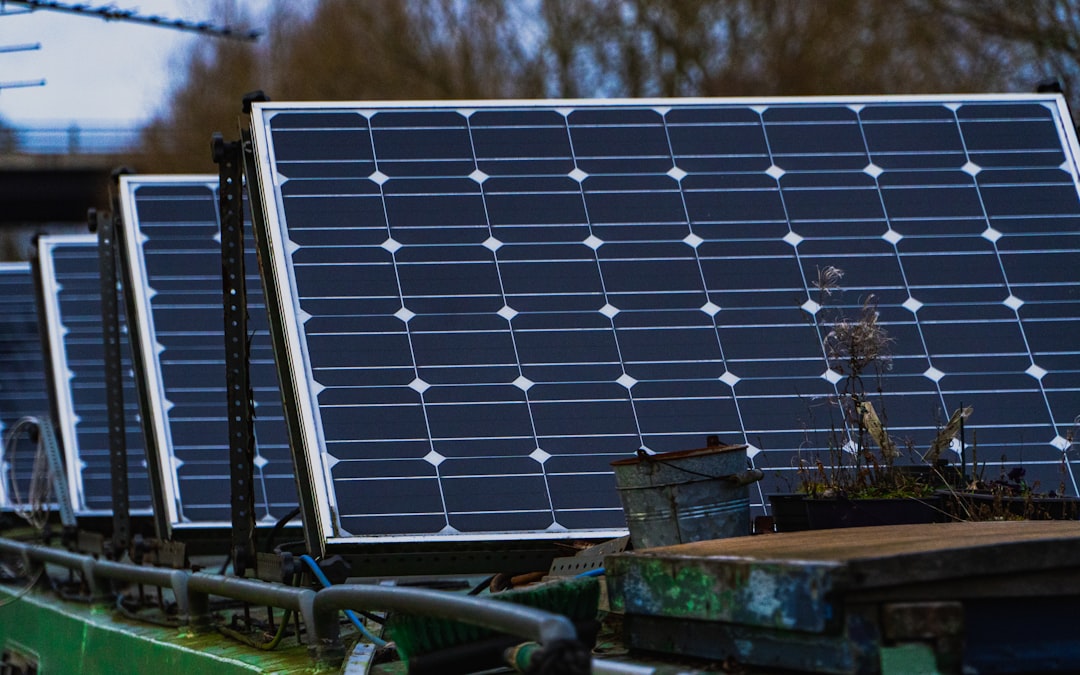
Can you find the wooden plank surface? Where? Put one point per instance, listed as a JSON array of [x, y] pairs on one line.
[[804, 580], [864, 543]]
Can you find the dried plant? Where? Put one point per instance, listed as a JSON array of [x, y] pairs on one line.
[[828, 280], [863, 457], [853, 346]]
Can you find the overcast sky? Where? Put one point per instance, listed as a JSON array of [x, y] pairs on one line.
[[96, 72]]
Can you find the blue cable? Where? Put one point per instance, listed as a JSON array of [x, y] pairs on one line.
[[321, 576], [599, 571]]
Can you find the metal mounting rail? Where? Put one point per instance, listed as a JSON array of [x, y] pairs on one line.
[[237, 352], [47, 438], [105, 225]]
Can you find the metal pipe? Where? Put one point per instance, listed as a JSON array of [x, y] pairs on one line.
[[56, 556], [20, 549], [318, 610], [527, 622], [201, 585], [608, 667], [155, 576], [93, 569]]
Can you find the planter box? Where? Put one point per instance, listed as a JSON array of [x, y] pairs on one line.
[[793, 513], [789, 512], [829, 513], [979, 506]]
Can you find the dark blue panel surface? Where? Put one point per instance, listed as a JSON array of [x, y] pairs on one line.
[[174, 255], [71, 283], [22, 374], [566, 283]]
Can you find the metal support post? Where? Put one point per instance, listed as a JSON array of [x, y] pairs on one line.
[[105, 225], [47, 439], [228, 157]]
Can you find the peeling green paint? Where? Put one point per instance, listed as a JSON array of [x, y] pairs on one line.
[[792, 597], [73, 638], [909, 659]]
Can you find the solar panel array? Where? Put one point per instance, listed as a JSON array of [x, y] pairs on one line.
[[71, 299], [173, 258], [483, 304], [22, 373]]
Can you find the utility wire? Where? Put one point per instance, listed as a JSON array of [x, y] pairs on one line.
[[113, 13], [10, 49], [20, 84], [28, 47]]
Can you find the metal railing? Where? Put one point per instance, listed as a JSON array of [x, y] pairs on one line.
[[318, 609], [70, 139]]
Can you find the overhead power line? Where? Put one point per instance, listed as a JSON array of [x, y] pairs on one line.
[[113, 13], [7, 49], [21, 84]]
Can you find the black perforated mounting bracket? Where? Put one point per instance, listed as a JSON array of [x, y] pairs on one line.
[[105, 225], [228, 157], [308, 511]]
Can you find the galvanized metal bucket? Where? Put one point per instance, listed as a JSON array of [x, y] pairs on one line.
[[692, 495]]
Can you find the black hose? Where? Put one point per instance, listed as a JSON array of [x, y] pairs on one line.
[[561, 657], [479, 588], [278, 527]]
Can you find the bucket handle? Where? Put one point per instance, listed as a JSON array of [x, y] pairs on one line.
[[737, 479], [744, 477]]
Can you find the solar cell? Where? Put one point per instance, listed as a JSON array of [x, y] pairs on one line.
[[172, 255], [482, 304], [22, 373], [71, 304]]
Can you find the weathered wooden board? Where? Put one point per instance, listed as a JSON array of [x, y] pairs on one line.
[[870, 543], [797, 591], [793, 580]]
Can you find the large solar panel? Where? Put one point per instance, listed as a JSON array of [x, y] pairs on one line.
[[22, 372], [481, 305], [173, 258], [71, 302]]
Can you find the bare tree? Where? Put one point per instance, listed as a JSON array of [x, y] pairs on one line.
[[447, 49], [349, 50], [216, 75], [784, 47], [1046, 32], [430, 49]]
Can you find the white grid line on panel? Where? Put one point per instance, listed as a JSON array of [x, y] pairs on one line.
[[915, 291], [1008, 287], [513, 338], [84, 426], [603, 285], [798, 260], [204, 243], [900, 259], [409, 336]]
